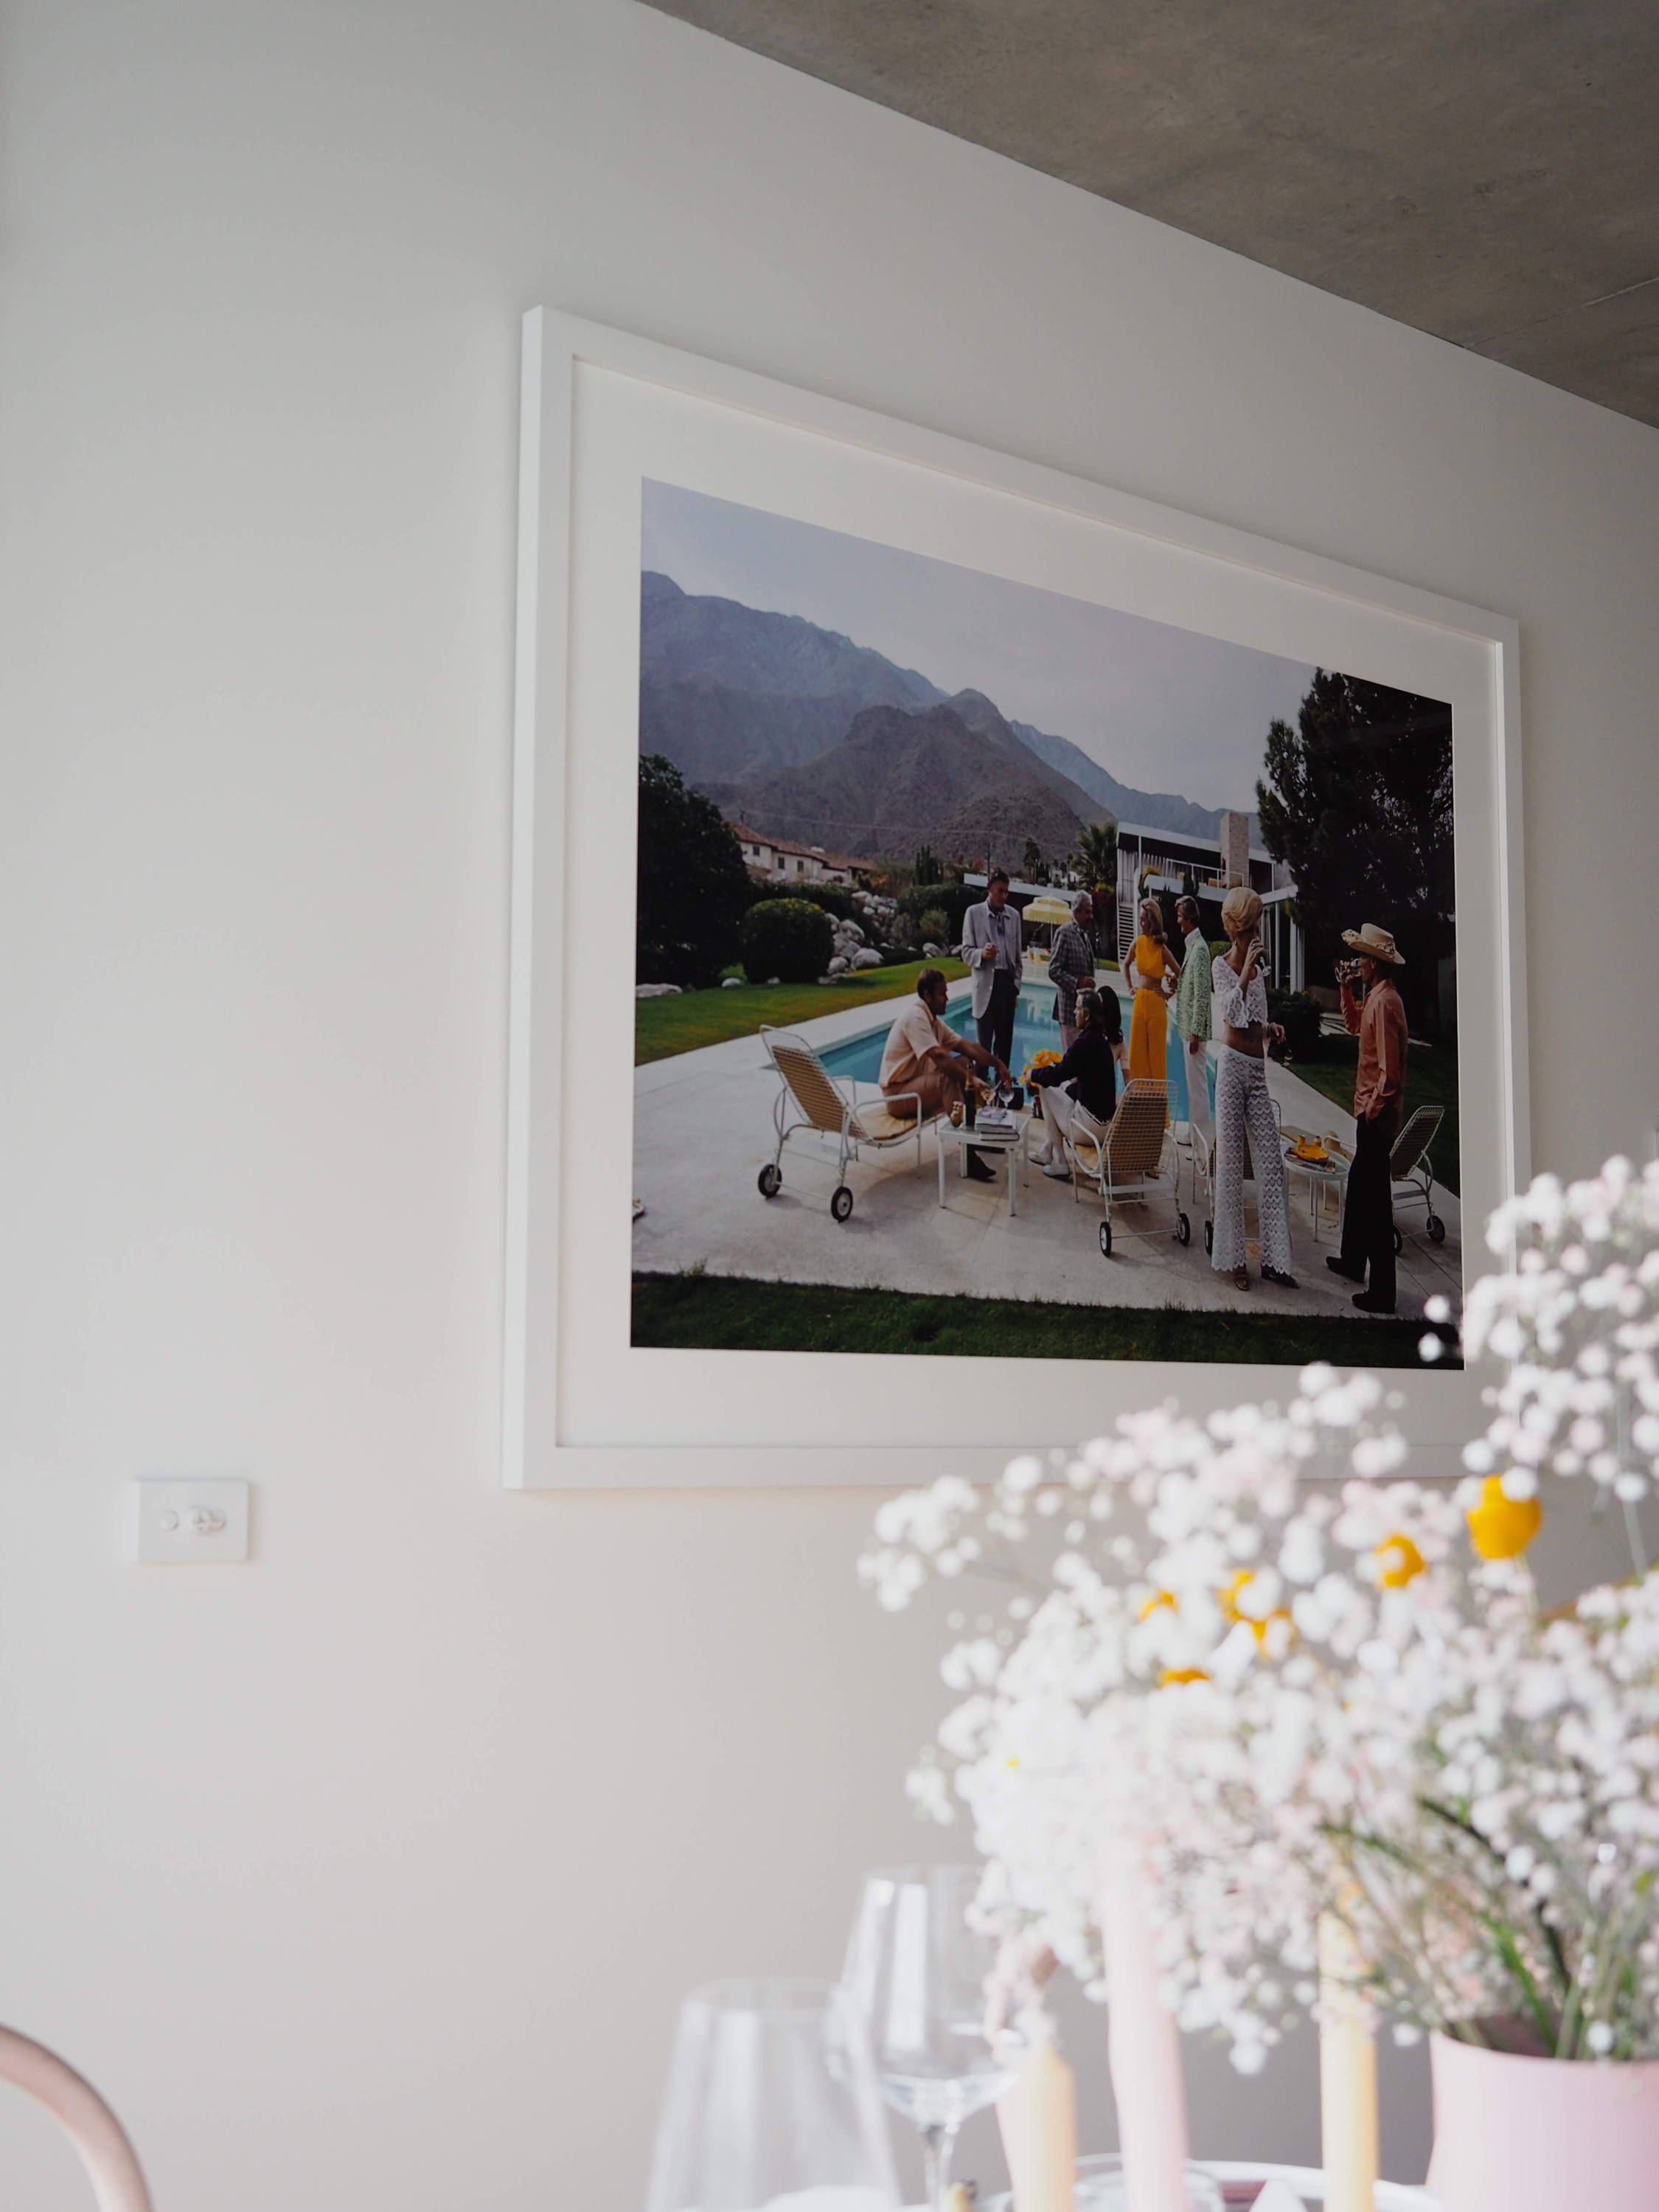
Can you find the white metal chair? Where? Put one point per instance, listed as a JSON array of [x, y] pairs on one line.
[[810, 1098], [1410, 1172], [1132, 1159]]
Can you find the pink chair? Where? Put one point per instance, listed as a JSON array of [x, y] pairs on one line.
[[118, 2180]]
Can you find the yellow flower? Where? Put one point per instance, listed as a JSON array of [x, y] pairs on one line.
[[1229, 1599], [1038, 1059], [1397, 1562], [1230, 1596], [1181, 1674], [1159, 1598], [1501, 1528], [1258, 1628]]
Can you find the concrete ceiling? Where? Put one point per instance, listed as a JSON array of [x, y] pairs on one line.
[[1487, 170]]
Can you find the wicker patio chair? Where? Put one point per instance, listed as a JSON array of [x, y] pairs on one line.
[[810, 1098], [1132, 1158]]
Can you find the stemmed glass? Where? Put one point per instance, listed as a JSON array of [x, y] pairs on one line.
[[918, 1973], [772, 2102]]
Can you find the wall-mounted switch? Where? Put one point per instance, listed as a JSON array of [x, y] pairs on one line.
[[195, 1522]]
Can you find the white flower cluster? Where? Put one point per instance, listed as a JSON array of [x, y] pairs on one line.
[[1573, 1317], [1304, 1699]]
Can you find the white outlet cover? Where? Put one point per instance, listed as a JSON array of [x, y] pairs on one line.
[[203, 1523]]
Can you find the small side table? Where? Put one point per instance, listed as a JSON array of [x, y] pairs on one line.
[[1332, 1176], [961, 1136]]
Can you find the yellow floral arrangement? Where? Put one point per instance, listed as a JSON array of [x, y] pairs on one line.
[[1038, 1059]]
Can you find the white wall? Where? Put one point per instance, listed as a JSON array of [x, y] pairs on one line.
[[366, 1876]]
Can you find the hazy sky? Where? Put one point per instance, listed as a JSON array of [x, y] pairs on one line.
[[1164, 709]]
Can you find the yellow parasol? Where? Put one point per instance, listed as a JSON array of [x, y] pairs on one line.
[[1045, 910]]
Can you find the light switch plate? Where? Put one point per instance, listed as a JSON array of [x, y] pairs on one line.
[[195, 1523]]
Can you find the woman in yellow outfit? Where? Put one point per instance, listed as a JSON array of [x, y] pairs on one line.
[[1154, 975]]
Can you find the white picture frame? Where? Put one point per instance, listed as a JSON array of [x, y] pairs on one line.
[[581, 1407]]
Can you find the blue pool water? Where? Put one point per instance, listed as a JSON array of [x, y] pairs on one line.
[[1036, 1030]]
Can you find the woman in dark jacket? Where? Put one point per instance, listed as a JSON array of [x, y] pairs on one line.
[[1086, 1081]]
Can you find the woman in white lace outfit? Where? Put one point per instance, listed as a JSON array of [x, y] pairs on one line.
[[1239, 998]]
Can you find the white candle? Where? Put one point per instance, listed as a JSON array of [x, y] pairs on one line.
[[1347, 2076], [1037, 2115], [1143, 2043]]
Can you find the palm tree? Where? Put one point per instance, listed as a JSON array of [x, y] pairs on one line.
[[1097, 862]]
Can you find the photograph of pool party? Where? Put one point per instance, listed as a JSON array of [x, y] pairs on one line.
[[1018, 976]]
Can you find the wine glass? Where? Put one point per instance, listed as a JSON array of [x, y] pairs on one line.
[[918, 1972], [772, 2102]]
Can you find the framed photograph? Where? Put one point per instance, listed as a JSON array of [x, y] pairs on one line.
[[988, 951]]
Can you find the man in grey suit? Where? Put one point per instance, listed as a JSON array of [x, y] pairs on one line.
[[990, 950]]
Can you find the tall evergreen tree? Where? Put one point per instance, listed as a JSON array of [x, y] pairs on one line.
[[1357, 801], [693, 887]]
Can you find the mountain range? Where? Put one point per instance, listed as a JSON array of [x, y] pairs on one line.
[[800, 732]]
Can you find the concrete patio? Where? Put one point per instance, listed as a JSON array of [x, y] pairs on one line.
[[703, 1128]]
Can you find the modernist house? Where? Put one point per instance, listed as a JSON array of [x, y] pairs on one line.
[[1174, 860], [1151, 860]]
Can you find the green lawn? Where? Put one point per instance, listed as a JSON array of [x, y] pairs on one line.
[[663, 1027], [728, 1313], [1430, 1080]]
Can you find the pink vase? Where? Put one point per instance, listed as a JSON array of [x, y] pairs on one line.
[[1542, 2135]]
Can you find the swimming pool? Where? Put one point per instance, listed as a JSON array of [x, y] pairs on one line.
[[1036, 1030]]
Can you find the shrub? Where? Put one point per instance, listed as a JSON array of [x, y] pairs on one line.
[[935, 927], [945, 902], [788, 938], [834, 898], [1298, 1015]]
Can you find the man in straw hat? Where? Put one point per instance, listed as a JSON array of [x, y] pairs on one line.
[[1379, 1095]]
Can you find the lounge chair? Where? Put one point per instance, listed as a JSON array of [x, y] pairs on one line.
[[809, 1097], [1410, 1172], [1133, 1159]]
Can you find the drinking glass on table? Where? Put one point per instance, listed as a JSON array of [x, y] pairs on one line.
[[772, 2105], [917, 1972]]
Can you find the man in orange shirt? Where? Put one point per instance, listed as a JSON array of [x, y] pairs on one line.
[[1379, 1095]]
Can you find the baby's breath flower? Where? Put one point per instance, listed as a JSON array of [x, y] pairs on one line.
[[1303, 1697]]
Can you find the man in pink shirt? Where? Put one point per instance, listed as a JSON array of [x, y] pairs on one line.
[[1379, 1098]]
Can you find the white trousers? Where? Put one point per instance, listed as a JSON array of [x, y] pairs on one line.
[[1061, 1111], [1241, 1103]]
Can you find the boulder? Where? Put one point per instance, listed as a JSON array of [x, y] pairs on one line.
[[850, 929], [656, 990], [866, 959], [931, 952], [838, 965], [731, 983]]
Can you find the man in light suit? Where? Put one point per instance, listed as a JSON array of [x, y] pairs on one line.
[[990, 950]]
